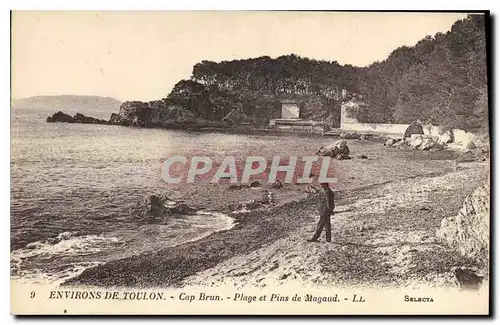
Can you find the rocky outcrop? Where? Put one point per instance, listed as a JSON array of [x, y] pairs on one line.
[[78, 118], [468, 232], [442, 133], [150, 114], [413, 128], [114, 119], [161, 206], [416, 142], [423, 142], [339, 150], [60, 117]]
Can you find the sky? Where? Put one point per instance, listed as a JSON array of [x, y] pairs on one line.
[[142, 55]]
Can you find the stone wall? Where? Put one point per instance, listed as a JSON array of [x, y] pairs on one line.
[[376, 128]]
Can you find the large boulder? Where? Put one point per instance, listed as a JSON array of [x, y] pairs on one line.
[[423, 142], [468, 232], [416, 140], [430, 143], [161, 206], [441, 133], [413, 128], [338, 149]]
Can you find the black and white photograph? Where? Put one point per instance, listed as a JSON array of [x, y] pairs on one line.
[[250, 162]]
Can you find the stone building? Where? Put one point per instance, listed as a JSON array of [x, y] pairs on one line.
[[291, 120], [290, 109]]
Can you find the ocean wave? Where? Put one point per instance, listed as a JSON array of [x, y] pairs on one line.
[[53, 259], [39, 276], [66, 243], [57, 259]]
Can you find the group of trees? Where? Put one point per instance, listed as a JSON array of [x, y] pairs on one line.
[[257, 85], [290, 74], [440, 80]]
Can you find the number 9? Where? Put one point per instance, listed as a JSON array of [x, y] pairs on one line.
[[32, 294]]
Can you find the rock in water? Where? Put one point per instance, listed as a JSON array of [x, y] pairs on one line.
[[78, 118], [338, 149], [413, 128], [468, 232], [160, 206], [114, 119], [60, 117]]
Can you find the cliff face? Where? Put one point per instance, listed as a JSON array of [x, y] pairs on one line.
[[150, 114]]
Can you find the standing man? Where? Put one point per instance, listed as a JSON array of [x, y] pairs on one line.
[[325, 212]]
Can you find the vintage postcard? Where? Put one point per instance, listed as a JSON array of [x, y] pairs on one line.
[[249, 162]]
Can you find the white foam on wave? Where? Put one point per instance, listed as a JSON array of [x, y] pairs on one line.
[[66, 245], [57, 259], [37, 276], [224, 221], [38, 256]]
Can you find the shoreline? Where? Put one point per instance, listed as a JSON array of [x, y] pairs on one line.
[[255, 231], [249, 232]]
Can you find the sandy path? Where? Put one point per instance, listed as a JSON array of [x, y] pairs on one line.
[[385, 238]]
